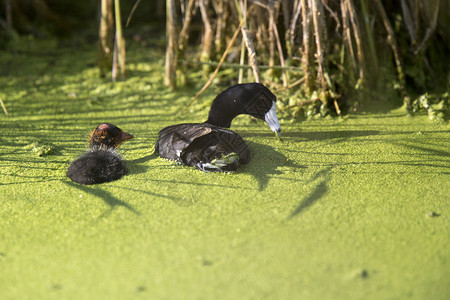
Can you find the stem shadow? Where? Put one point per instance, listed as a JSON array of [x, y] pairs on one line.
[[319, 192]]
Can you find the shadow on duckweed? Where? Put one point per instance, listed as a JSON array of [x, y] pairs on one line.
[[424, 150], [200, 184], [264, 162], [174, 199], [319, 191], [316, 135], [144, 158], [112, 201], [439, 163], [28, 180], [339, 135], [136, 167]]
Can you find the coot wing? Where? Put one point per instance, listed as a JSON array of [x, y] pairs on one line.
[[217, 144], [174, 139]]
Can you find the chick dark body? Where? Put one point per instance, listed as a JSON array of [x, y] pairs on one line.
[[95, 167], [102, 163]]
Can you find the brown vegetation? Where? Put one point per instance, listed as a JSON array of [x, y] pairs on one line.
[[323, 53], [332, 48]]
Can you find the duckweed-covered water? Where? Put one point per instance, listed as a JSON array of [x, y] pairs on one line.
[[357, 208]]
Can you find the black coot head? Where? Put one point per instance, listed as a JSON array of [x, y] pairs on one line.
[[108, 136], [250, 98]]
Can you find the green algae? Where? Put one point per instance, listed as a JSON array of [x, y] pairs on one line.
[[355, 208], [40, 149]]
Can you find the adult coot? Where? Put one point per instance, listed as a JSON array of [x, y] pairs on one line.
[[102, 163], [209, 146]]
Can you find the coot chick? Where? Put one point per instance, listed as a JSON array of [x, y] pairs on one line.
[[102, 163], [209, 146]]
